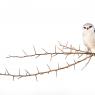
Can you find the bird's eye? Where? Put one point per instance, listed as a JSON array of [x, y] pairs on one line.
[[84, 27], [90, 26]]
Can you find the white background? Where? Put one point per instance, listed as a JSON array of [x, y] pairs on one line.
[[42, 23]]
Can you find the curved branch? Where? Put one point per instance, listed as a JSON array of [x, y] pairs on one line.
[[28, 74]]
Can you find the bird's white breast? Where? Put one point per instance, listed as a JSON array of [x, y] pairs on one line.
[[89, 39]]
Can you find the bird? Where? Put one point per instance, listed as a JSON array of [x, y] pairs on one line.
[[89, 36]]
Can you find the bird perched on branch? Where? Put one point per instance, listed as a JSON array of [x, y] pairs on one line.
[[89, 36]]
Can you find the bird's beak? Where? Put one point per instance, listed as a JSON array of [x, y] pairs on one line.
[[87, 28]]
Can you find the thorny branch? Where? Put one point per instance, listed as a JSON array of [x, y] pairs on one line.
[[65, 50]]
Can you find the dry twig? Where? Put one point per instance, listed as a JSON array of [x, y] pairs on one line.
[[66, 50]]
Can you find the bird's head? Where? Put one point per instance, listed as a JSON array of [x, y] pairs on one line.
[[88, 27]]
